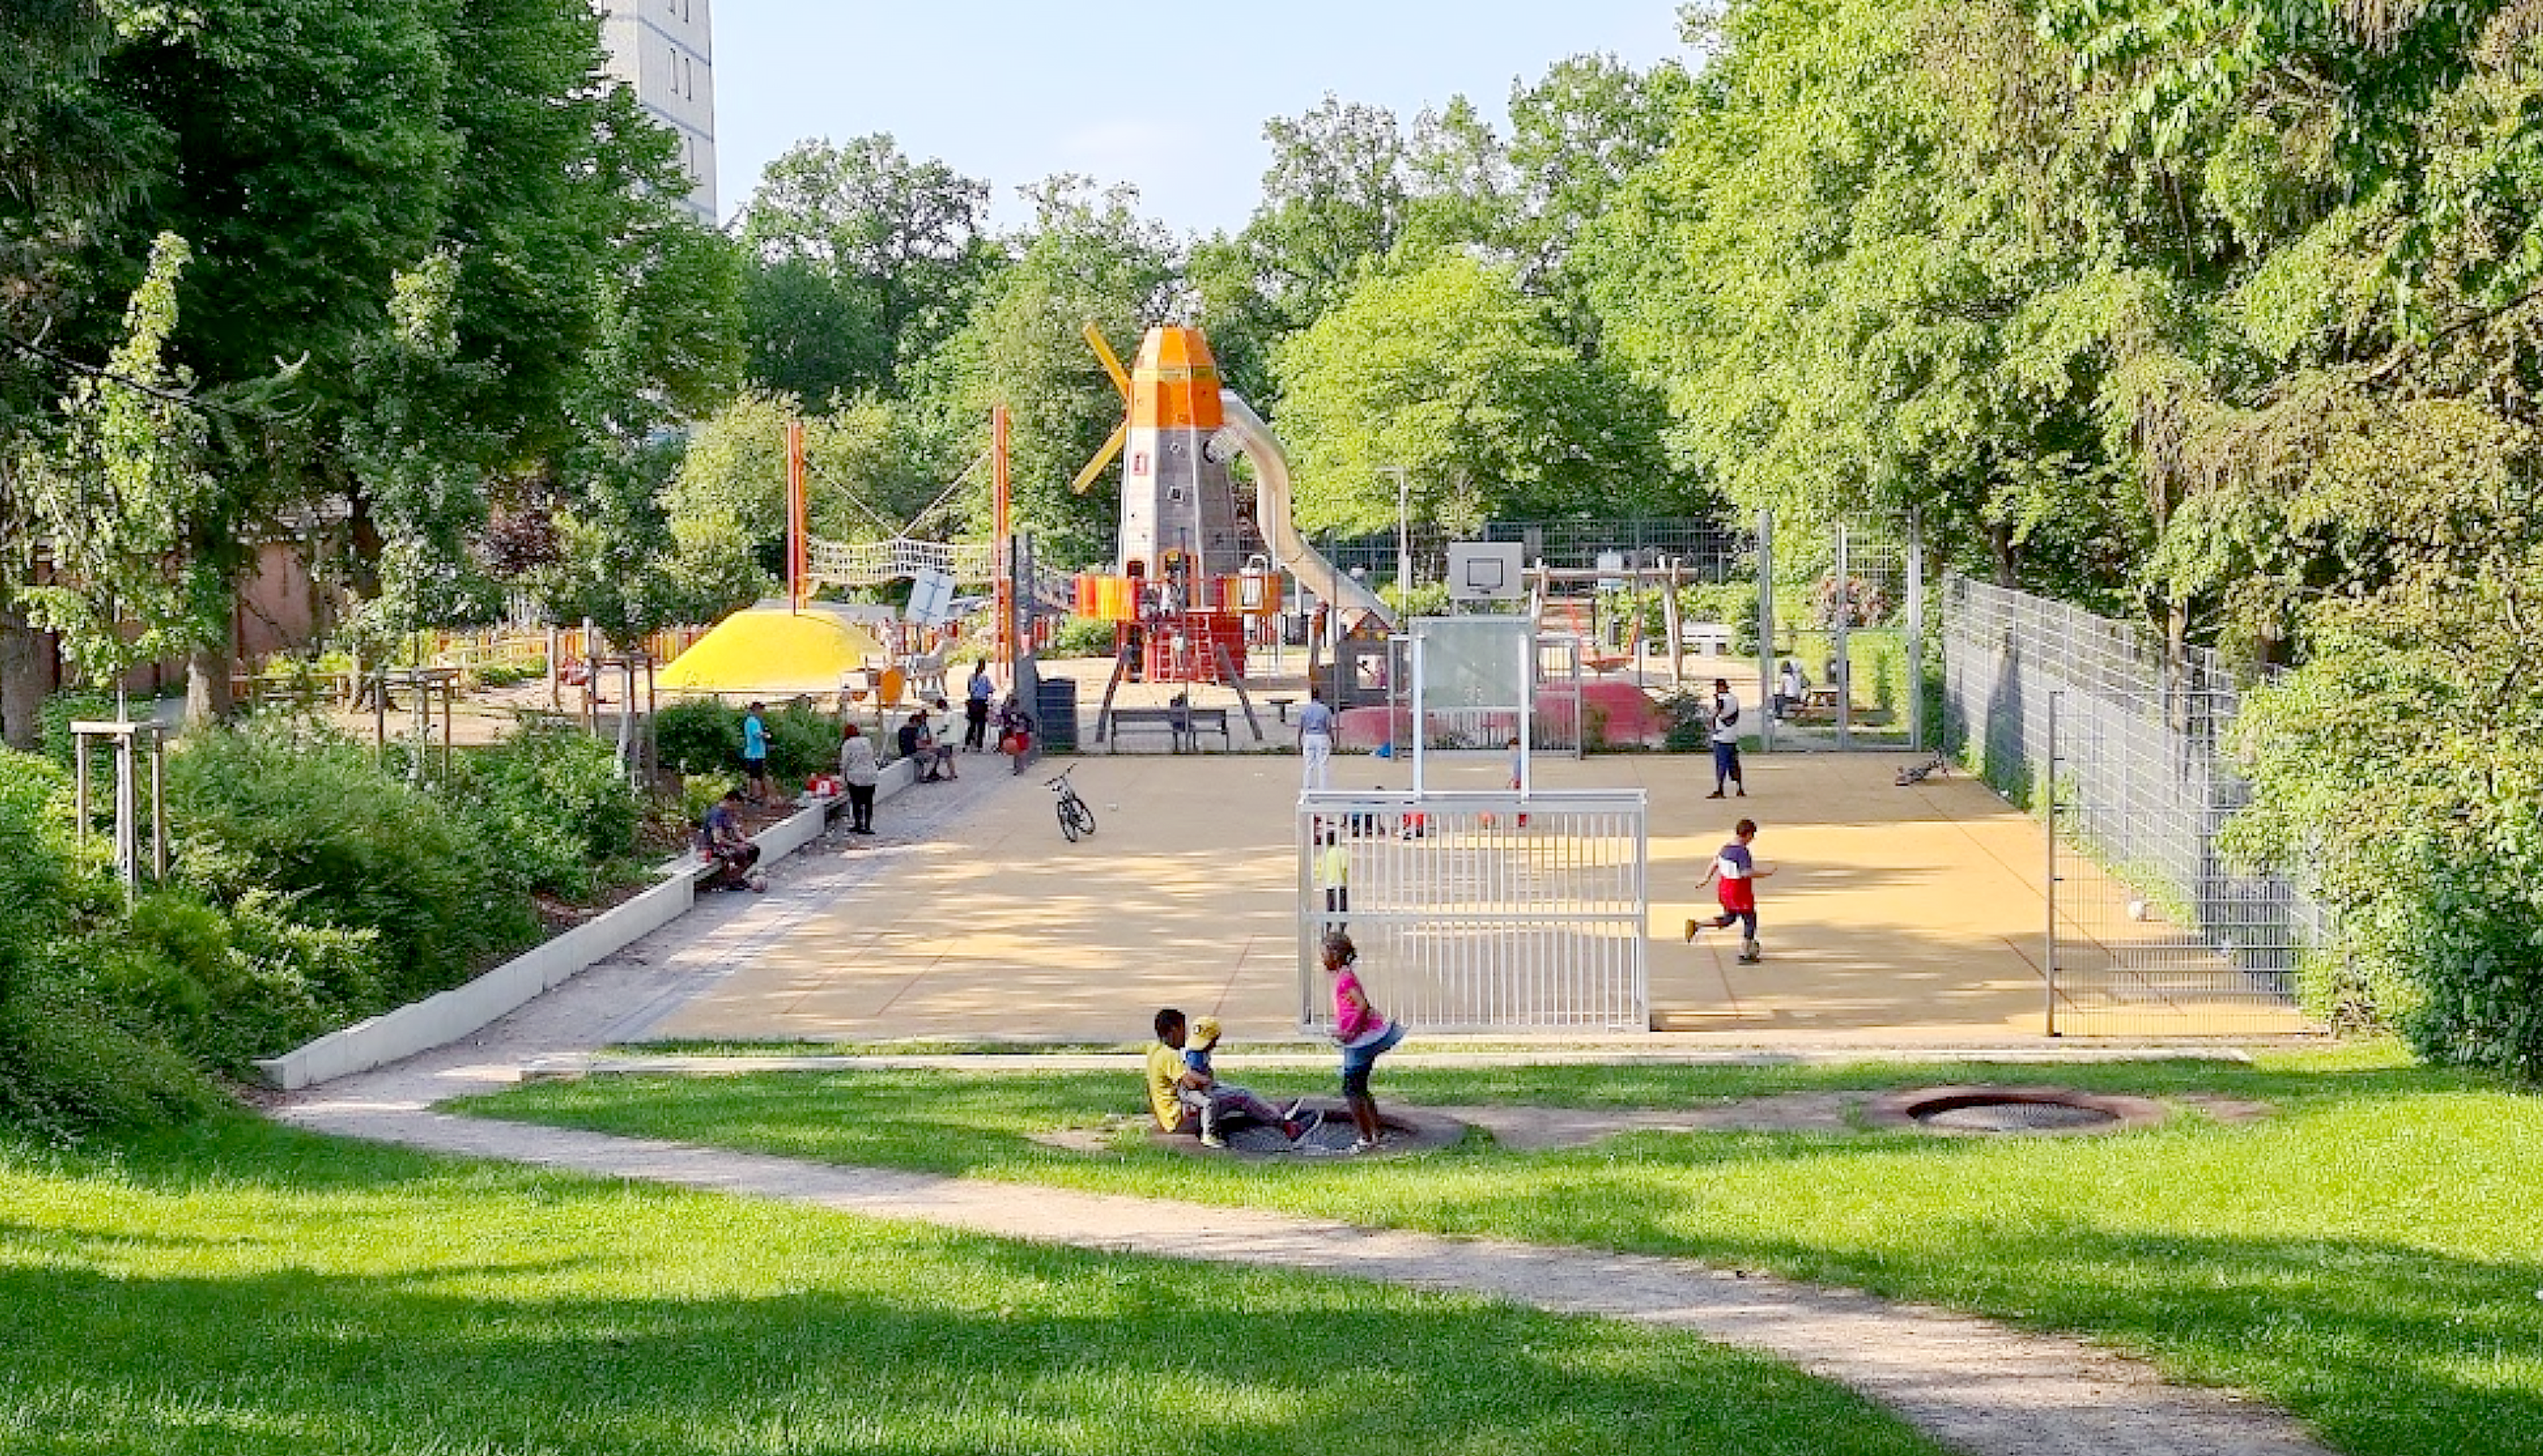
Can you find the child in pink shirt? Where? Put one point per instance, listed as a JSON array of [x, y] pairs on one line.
[[1364, 1034]]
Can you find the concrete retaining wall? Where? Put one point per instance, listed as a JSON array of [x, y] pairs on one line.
[[461, 1011]]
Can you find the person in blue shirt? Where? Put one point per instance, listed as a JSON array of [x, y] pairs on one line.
[[754, 754], [1316, 724], [976, 698]]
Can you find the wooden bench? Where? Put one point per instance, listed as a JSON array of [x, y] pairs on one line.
[[1818, 699], [1182, 725]]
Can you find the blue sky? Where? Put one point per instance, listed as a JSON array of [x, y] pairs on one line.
[[1010, 92]]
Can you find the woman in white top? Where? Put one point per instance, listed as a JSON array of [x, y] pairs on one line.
[[859, 770]]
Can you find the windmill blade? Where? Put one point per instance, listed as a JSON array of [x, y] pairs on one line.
[[1112, 362], [1102, 457]]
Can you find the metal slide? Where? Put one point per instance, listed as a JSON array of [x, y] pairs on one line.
[[1327, 582]]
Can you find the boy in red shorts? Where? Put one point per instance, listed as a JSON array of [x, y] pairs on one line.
[[1737, 873]]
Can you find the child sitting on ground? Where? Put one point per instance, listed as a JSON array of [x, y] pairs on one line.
[[1296, 1120]]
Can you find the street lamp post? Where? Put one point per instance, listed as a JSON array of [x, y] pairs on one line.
[[1403, 531]]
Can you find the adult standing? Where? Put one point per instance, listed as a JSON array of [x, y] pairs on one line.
[[859, 770], [1316, 741], [754, 754], [1364, 1034], [976, 697], [1726, 739]]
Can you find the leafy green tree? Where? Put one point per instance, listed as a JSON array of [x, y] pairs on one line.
[[70, 154], [1334, 201], [1455, 374], [1868, 279], [1088, 256], [860, 234], [310, 162], [809, 334], [113, 499]]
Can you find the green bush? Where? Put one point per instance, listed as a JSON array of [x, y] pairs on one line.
[[62, 710], [703, 736], [68, 1063], [306, 815], [69, 1067], [802, 741], [1731, 603], [228, 986], [1428, 599], [568, 776], [1084, 636]]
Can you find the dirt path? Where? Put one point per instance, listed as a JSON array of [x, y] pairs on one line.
[[1973, 1385]]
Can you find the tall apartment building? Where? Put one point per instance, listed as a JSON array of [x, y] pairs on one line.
[[666, 50]]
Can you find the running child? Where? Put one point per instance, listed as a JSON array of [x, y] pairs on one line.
[[1737, 873]]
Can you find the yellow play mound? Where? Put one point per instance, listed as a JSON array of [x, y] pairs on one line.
[[769, 651]]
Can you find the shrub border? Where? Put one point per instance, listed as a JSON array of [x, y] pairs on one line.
[[446, 1016]]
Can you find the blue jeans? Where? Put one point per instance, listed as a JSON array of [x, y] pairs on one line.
[[1359, 1060], [1726, 765]]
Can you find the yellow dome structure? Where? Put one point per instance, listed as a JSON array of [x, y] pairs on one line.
[[771, 651]]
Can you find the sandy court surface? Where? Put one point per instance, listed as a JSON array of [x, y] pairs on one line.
[[1897, 915]]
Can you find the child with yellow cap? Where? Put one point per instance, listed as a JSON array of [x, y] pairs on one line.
[[1197, 1090]]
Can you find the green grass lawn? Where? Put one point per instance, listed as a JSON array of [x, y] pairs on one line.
[[2370, 1256], [248, 1289]]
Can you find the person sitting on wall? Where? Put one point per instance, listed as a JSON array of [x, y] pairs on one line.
[[720, 839], [927, 762]]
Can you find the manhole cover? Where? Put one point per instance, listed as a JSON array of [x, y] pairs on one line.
[[1407, 1130], [2015, 1117], [2010, 1110]]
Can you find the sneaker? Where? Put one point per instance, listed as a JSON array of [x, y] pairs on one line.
[[1748, 954], [1691, 929], [1743, 792], [1300, 1126], [1716, 793], [1212, 1140], [1364, 1145]]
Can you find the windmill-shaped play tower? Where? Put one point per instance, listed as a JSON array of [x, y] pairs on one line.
[[1191, 571]]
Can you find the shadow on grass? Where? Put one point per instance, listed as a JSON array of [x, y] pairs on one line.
[[577, 1316]]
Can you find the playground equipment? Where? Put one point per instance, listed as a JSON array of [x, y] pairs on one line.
[[775, 650], [1189, 574]]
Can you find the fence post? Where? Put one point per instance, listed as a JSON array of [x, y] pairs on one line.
[[1765, 620], [1915, 631], [2049, 966]]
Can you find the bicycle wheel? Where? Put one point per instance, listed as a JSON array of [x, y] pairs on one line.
[[1068, 822], [1084, 816]]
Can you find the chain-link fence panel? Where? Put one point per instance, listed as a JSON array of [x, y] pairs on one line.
[[2152, 930]]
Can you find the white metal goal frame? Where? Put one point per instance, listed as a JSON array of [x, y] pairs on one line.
[[1481, 911]]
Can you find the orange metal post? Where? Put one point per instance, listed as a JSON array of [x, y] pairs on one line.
[[798, 589], [1004, 591]]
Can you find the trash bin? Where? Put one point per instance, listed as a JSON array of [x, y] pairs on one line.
[[1055, 710]]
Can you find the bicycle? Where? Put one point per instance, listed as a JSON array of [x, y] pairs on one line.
[[1075, 818]]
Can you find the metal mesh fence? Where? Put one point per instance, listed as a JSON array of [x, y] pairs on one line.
[[1708, 549], [1848, 622], [1479, 912], [2079, 716]]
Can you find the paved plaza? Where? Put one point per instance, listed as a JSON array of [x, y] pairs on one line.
[[1900, 916]]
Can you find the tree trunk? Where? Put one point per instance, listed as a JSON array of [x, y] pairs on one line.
[[25, 677], [207, 676], [2007, 560]]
